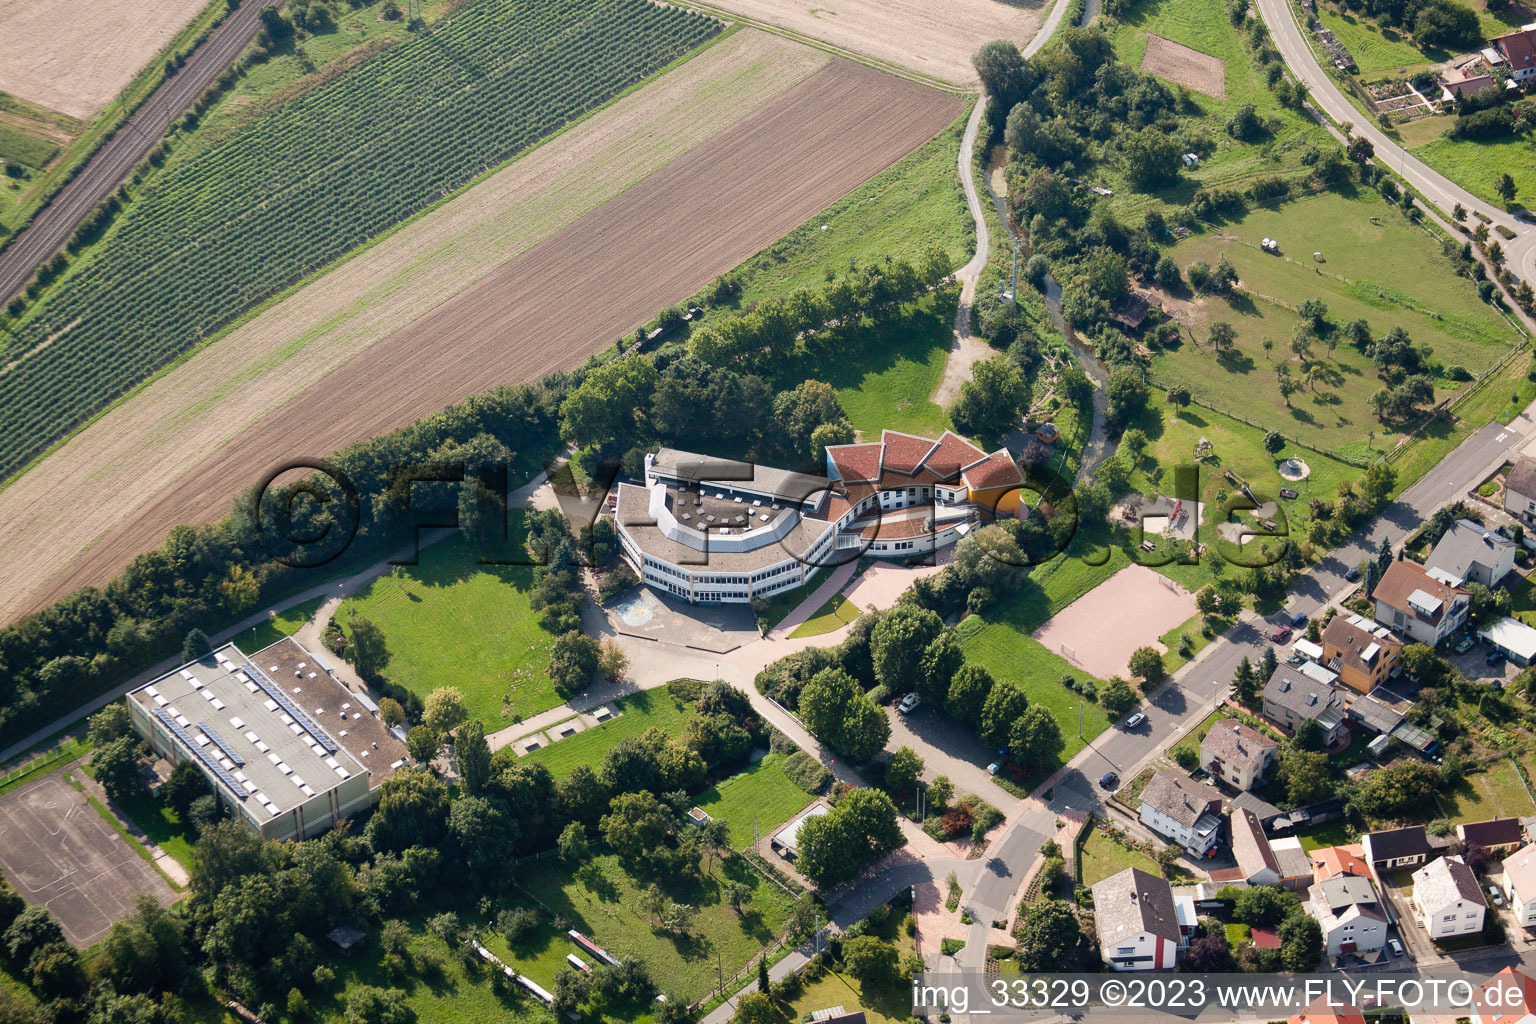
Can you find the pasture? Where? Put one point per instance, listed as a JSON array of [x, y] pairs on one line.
[[1370, 254], [1475, 164], [453, 622], [744, 113]]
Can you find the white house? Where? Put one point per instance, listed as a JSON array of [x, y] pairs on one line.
[[1447, 898], [1395, 849], [1185, 811], [1412, 600], [1236, 754], [1137, 921], [1514, 638], [1471, 553], [1520, 874], [1350, 913], [1520, 489]]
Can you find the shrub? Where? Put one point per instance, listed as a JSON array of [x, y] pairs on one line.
[[807, 772]]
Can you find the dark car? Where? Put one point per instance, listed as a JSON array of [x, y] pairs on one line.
[[1281, 634], [1494, 657], [1109, 780], [1352, 575], [1298, 620]]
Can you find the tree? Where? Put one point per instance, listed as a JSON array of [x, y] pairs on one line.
[[612, 662], [1147, 664], [762, 973], [756, 1008], [370, 653], [1262, 906], [1223, 336], [368, 1004], [1306, 776], [421, 743], [861, 828], [1151, 157], [1127, 395], [1505, 187], [1004, 705], [637, 825], [968, 692], [413, 811], [117, 767], [572, 660], [940, 791], [864, 731], [1003, 71], [390, 712], [1274, 441], [1245, 682], [903, 770], [186, 784], [444, 710], [1459, 212], [1308, 735], [110, 723], [1208, 954], [1301, 943], [605, 409], [1116, 696], [870, 959], [1398, 788], [991, 402], [1034, 739], [897, 644], [473, 756], [1049, 937], [32, 930], [195, 645], [1360, 150]]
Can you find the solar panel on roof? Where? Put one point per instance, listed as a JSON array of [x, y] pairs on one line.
[[278, 694], [201, 754], [218, 740]]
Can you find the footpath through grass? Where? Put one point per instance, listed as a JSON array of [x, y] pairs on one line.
[[450, 621]]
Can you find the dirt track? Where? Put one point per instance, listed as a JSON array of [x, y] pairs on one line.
[[571, 295]]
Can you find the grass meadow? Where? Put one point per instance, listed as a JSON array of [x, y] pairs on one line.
[[1103, 856], [450, 621], [649, 709], [760, 792], [836, 613], [1496, 792]]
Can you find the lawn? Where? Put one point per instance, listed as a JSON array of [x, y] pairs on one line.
[[761, 795], [276, 627], [159, 824], [899, 213], [1191, 740], [1103, 856], [451, 621], [1369, 253], [650, 709], [1018, 658], [602, 900], [1203, 25], [1335, 833], [888, 1002], [1523, 601], [1375, 50], [1476, 165], [1496, 792], [836, 613], [1237, 933], [1505, 396]]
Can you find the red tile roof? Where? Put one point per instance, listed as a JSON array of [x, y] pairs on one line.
[[1320, 1012], [1402, 578], [1524, 1007], [996, 470], [1339, 860], [856, 461], [952, 454], [1519, 48], [905, 452], [1265, 938]]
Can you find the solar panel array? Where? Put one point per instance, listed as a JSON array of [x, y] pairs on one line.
[[280, 695], [218, 741], [202, 755]]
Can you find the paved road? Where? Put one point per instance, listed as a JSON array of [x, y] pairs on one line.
[[1441, 191], [113, 162]]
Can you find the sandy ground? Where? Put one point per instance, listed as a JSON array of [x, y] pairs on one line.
[[74, 56], [935, 37], [660, 240], [115, 465], [1185, 65], [1080, 624]]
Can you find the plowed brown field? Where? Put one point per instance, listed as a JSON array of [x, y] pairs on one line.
[[570, 295]]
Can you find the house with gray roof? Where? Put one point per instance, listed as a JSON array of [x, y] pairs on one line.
[[1447, 899], [1236, 754], [1350, 914], [1291, 697], [1472, 553], [1520, 489], [1185, 811], [1137, 921]]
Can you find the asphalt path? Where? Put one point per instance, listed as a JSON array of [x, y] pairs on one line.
[[1444, 193], [115, 160]]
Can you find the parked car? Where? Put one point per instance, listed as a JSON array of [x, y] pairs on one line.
[[1494, 656], [1135, 720], [1281, 634], [1352, 575], [909, 703], [1395, 947], [1463, 645], [1298, 620], [1109, 780], [1497, 895]]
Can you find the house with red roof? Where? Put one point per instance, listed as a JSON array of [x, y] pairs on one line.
[[1509, 997], [1519, 50], [1321, 1011]]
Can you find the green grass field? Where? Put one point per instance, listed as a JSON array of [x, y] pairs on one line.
[[650, 709], [1204, 26], [450, 621], [1375, 50], [285, 623], [25, 148], [761, 792], [1476, 165], [1012, 655], [883, 1002], [1334, 833], [602, 900], [1523, 601], [1370, 252], [899, 213], [1103, 856], [836, 613], [160, 824], [1494, 793]]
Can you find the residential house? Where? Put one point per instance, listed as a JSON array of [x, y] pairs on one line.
[[1294, 864], [1520, 489], [1292, 696], [1468, 80], [1469, 552], [1186, 811], [1498, 836], [1447, 898], [1519, 50], [1412, 601], [1363, 652], [1509, 997], [1520, 877], [1236, 754], [1333, 861], [1350, 913], [1323, 1011], [1137, 921], [1395, 849], [1256, 862], [1514, 638]]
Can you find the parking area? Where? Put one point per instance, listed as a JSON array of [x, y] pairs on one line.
[[1473, 663], [59, 852]]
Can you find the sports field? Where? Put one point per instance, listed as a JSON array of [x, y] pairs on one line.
[[453, 622], [1077, 631], [658, 204]]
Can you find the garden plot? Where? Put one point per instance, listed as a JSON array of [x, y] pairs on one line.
[[1185, 65]]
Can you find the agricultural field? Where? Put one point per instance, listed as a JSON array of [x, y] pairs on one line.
[[451, 621], [349, 159], [74, 57], [747, 111], [760, 794], [1369, 253], [931, 37], [1202, 25], [651, 709]]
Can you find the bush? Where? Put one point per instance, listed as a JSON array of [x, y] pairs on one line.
[[807, 772], [518, 924]]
